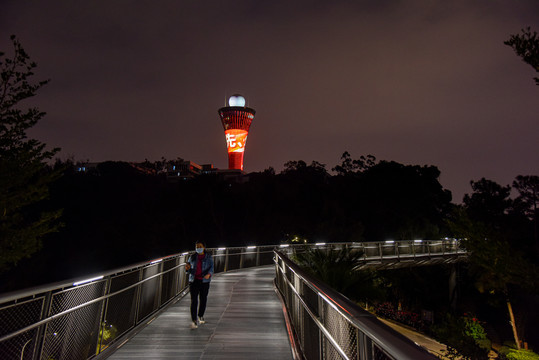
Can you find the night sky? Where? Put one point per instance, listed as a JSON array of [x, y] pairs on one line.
[[418, 82]]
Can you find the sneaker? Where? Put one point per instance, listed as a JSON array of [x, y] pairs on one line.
[[201, 320], [194, 325]]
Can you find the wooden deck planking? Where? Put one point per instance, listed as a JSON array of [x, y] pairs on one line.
[[244, 320]]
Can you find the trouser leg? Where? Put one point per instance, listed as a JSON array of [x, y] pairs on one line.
[[204, 289], [194, 289]]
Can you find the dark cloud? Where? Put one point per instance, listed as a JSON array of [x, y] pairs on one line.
[[418, 82]]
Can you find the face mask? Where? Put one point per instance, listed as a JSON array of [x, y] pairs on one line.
[[199, 250]]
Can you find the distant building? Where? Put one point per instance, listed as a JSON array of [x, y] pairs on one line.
[[86, 167], [174, 170], [185, 169]]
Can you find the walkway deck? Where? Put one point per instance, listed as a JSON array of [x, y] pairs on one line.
[[244, 320]]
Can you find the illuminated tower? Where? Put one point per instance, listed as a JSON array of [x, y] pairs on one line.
[[236, 119]]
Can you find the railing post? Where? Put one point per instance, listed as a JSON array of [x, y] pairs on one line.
[[177, 279], [321, 347], [226, 260], [182, 278], [258, 256], [40, 333], [138, 294], [365, 352], [160, 268], [104, 309]]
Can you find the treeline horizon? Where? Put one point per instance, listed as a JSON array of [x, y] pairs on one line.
[[119, 216]]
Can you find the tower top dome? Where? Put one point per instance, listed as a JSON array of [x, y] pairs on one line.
[[236, 100]]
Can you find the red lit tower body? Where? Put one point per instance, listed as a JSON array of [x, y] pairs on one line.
[[236, 119]]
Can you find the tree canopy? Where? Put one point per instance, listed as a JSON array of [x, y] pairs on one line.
[[526, 46], [24, 176]]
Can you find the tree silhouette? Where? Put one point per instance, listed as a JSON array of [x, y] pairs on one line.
[[526, 45], [501, 265], [24, 176], [528, 189]]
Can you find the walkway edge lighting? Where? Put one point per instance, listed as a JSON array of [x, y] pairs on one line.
[[88, 280]]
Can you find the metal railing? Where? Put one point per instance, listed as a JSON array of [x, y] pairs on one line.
[[81, 319], [327, 325], [395, 254]]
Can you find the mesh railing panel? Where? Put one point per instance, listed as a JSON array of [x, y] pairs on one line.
[[266, 257], [121, 309], [19, 347], [149, 296], [122, 281], [15, 317], [68, 299], [182, 279], [233, 259], [74, 335], [310, 338], [168, 288], [330, 352], [248, 259], [341, 330], [405, 249], [372, 250], [119, 317], [389, 250], [219, 261], [311, 298]]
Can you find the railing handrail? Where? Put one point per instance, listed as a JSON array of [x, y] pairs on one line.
[[147, 286], [90, 302], [32, 291], [394, 343]]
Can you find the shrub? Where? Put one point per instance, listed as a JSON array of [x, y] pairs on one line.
[[457, 333], [521, 355], [388, 311], [474, 329]]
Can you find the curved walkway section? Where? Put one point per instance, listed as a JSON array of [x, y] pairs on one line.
[[244, 320]]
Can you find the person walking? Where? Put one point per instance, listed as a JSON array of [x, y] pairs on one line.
[[200, 269]]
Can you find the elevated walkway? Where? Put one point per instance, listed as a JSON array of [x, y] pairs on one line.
[[244, 320], [97, 317]]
